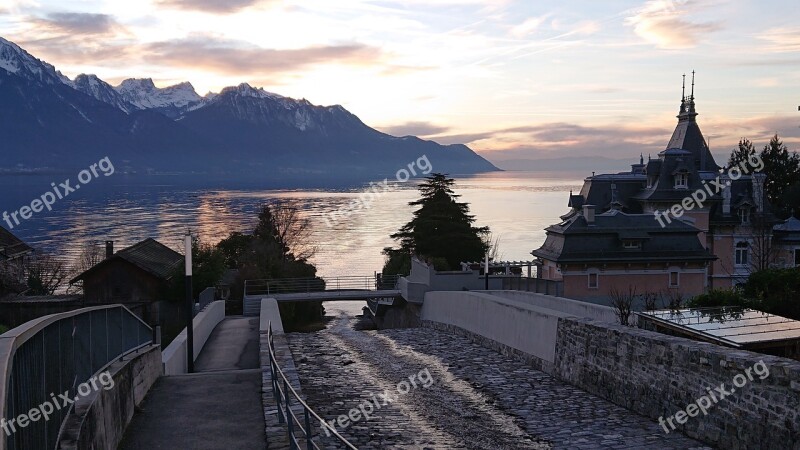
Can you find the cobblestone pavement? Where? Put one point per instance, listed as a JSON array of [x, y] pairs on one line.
[[479, 399]]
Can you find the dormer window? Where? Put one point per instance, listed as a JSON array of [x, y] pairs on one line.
[[681, 180], [631, 244], [744, 215]]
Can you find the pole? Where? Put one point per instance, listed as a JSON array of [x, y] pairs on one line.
[[486, 271], [189, 306]]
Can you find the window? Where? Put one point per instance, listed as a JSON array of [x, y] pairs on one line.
[[744, 215], [674, 279], [741, 254], [797, 257], [593, 282], [631, 244], [681, 180]]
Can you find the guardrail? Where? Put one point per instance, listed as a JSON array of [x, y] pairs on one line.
[[284, 396], [51, 356], [306, 285]]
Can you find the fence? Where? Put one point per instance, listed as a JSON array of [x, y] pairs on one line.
[[299, 432], [537, 285], [51, 356], [305, 285]]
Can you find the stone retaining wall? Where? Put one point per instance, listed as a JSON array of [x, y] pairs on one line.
[[650, 373]]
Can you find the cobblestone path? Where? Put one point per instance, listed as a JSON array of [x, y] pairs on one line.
[[475, 399]]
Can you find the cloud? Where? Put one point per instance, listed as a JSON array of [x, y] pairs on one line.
[[664, 24], [781, 40], [212, 6], [414, 129], [77, 23], [528, 26], [235, 58]]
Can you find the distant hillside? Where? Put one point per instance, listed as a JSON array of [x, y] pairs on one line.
[[51, 123]]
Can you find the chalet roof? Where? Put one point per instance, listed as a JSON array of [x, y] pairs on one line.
[[11, 246], [792, 224], [149, 255], [575, 240]]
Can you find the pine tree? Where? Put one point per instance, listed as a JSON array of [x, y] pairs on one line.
[[782, 169], [442, 229], [743, 153]]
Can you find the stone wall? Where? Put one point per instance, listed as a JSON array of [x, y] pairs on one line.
[[658, 375], [99, 419], [650, 373]]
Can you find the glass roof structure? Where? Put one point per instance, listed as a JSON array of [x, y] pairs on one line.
[[732, 326]]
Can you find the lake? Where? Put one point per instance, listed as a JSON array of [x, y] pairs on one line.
[[517, 206]]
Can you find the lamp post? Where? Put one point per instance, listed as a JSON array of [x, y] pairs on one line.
[[189, 306]]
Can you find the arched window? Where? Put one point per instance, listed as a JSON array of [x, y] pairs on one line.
[[741, 254]]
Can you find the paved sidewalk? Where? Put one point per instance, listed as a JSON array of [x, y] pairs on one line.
[[219, 407]]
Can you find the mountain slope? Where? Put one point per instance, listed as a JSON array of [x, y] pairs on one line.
[[52, 123]]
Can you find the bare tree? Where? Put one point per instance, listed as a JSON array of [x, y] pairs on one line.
[[293, 229], [90, 256], [764, 255], [652, 300], [46, 274], [622, 303], [675, 300], [493, 244]]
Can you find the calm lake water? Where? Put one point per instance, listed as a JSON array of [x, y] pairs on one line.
[[517, 206]]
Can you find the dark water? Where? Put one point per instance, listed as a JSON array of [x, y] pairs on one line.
[[516, 205]]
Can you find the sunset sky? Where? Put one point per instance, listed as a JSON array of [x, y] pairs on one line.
[[513, 79]]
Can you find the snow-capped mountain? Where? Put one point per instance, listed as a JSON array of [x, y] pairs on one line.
[[99, 89], [15, 60], [172, 101], [244, 133]]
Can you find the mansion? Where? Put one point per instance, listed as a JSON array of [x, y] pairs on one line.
[[678, 225]]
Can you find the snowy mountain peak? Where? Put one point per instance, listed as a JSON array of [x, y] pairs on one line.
[[93, 86], [171, 101], [14, 59], [246, 90]]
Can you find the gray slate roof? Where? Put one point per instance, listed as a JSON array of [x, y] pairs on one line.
[[148, 255], [11, 246]]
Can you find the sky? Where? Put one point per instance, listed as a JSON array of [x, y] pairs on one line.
[[516, 80]]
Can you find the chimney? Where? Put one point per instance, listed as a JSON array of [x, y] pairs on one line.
[[726, 194], [758, 190], [109, 249], [588, 214]]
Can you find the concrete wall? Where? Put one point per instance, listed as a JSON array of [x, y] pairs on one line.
[[515, 323], [270, 313], [652, 374], [174, 357], [99, 420], [574, 307]]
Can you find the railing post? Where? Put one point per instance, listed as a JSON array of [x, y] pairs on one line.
[[309, 442], [289, 420]]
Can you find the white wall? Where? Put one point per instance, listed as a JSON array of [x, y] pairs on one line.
[[514, 323], [270, 313], [574, 307], [174, 356]]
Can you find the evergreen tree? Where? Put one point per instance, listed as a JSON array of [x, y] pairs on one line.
[[743, 153], [442, 229], [783, 171]]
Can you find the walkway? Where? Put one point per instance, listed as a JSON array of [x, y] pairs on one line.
[[478, 398], [219, 407]]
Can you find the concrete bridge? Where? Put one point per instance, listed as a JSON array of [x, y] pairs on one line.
[[490, 369]]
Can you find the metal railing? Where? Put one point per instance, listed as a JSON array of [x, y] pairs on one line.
[[50, 357], [284, 396], [306, 285]]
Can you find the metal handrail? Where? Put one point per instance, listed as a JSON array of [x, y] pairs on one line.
[[316, 284], [283, 400], [53, 355]]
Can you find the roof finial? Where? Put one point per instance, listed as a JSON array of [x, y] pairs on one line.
[[693, 85], [641, 158], [683, 95]]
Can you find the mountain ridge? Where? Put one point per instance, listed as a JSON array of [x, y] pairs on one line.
[[56, 123]]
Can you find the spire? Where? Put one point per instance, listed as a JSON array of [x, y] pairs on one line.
[[683, 97], [641, 158], [691, 98]]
